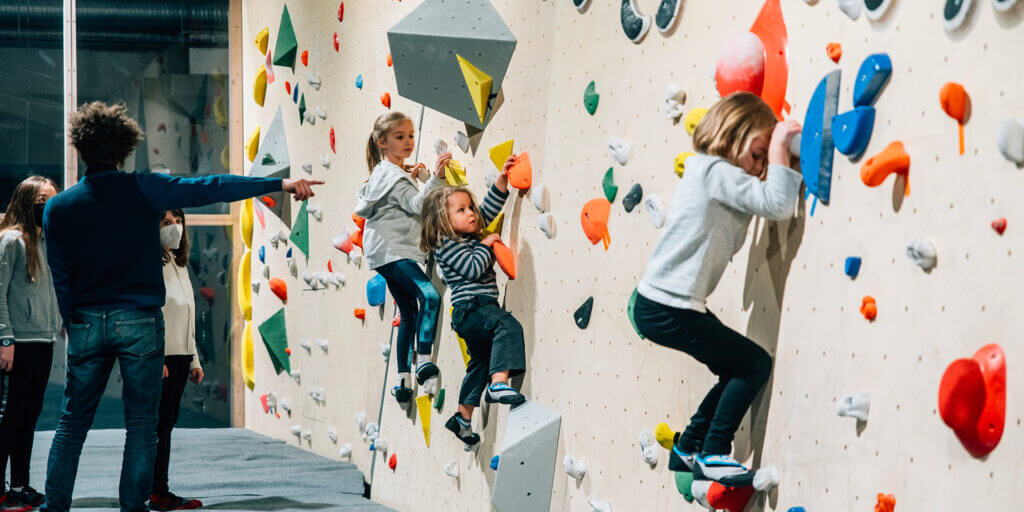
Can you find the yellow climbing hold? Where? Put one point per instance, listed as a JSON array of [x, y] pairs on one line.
[[455, 174], [692, 119], [248, 370], [494, 228], [220, 111], [479, 85], [245, 222], [423, 406], [259, 87], [252, 146], [262, 39], [665, 436], [680, 164], [244, 285], [225, 158], [501, 152], [462, 343]]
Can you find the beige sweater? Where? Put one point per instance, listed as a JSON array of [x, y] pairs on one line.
[[179, 314]]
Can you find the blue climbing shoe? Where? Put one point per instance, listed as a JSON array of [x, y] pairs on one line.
[[502, 393]]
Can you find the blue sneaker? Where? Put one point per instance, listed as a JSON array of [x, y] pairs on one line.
[[502, 393], [722, 469]]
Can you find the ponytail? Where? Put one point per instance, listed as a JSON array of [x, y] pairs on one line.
[[381, 129], [373, 153]]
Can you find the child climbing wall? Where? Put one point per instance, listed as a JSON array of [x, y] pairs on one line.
[[785, 289]]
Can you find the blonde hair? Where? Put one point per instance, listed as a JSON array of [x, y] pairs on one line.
[[434, 212], [731, 125], [381, 129]]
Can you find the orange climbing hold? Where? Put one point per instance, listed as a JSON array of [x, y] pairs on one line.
[[834, 51], [972, 399], [287, 87], [385, 99], [360, 313], [869, 308], [771, 28], [389, 60], [305, 57], [360, 222], [594, 218], [393, 461], [357, 238], [954, 100], [886, 503], [280, 288], [506, 259], [520, 175], [288, 351], [731, 499], [893, 159]]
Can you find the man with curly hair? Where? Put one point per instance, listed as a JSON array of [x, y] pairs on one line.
[[104, 250]]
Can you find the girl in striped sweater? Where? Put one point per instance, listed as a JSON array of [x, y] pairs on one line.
[[452, 225]]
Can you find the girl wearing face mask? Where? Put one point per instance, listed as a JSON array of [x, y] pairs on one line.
[[181, 362], [29, 324]]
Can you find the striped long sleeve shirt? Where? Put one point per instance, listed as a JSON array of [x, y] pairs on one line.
[[465, 263]]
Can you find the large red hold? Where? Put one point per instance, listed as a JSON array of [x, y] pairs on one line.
[[972, 399]]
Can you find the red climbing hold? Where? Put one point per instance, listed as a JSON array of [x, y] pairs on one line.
[[263, 402], [834, 51], [259, 216], [287, 87], [732, 499], [393, 461], [385, 99], [360, 313], [280, 288], [305, 57], [869, 308], [740, 65], [269, 201], [395, 322], [341, 12], [972, 399], [332, 141], [337, 43], [329, 269], [886, 503], [207, 294], [288, 351], [999, 225]]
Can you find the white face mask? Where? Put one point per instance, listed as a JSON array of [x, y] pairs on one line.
[[170, 236]]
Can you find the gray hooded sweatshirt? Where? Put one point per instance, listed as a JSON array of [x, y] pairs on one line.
[[28, 311], [390, 203]]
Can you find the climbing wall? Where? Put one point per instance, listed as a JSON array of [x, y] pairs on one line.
[[785, 289]]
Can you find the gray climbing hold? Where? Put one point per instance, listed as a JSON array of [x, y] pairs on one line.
[[633, 197], [582, 314], [526, 473]]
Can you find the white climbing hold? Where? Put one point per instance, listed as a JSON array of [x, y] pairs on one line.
[[296, 376], [320, 112], [356, 259], [271, 402], [490, 178], [655, 210], [675, 96], [547, 224], [293, 267], [325, 161], [576, 468], [462, 140], [322, 278], [648, 447], [317, 394], [277, 238], [451, 468], [322, 342], [266, 271], [766, 478], [440, 147], [429, 386], [371, 431], [306, 344], [1010, 140], [286, 404], [309, 117], [361, 421], [296, 430], [308, 167], [922, 252], [699, 490], [380, 445], [314, 80], [854, 406], [385, 349], [850, 8], [306, 434], [619, 149], [336, 278], [309, 278], [600, 506], [540, 197], [316, 211], [332, 435], [345, 450]]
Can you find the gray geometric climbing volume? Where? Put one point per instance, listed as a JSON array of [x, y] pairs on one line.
[[526, 468], [424, 46], [272, 162]]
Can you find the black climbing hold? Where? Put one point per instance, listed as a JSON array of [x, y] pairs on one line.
[[633, 197], [633, 23], [582, 314], [666, 16]]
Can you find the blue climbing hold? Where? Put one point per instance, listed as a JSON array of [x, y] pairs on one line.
[[797, 509], [263, 255], [494, 462], [376, 289], [289, 253], [874, 73], [852, 266], [359, 82], [851, 131], [295, 93], [816, 146]]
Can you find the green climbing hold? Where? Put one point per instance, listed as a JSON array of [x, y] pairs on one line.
[[300, 230], [286, 46], [608, 184], [590, 98], [684, 480], [631, 312], [439, 400], [302, 109]]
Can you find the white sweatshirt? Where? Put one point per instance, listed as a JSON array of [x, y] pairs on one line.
[[179, 314], [707, 223]]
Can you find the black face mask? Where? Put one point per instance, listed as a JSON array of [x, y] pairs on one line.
[[37, 213]]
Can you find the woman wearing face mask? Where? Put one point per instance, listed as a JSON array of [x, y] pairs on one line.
[[181, 362], [29, 325]]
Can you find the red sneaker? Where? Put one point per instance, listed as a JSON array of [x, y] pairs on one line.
[[10, 505], [170, 501]]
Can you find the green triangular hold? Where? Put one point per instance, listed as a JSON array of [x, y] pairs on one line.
[[300, 230], [631, 312], [684, 480], [590, 98], [302, 109], [608, 184], [275, 337], [286, 46], [268, 159]]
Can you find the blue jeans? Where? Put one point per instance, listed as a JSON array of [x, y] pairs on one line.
[[95, 340]]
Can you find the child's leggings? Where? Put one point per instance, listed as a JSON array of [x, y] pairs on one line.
[[418, 303], [495, 342], [741, 365]]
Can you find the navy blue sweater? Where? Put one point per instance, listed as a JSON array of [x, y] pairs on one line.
[[103, 234]]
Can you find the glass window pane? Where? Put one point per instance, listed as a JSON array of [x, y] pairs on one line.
[[167, 62], [31, 93]]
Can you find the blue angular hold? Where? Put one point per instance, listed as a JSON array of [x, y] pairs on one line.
[[295, 93], [289, 253], [376, 290], [263, 255], [851, 131], [874, 73], [494, 462], [797, 509], [816, 147], [359, 82], [852, 266]]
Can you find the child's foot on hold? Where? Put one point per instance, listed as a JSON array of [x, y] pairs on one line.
[[425, 370], [402, 394], [722, 469], [681, 460], [462, 429], [502, 393]]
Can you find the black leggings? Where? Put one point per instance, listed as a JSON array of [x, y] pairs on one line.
[[741, 365], [418, 303], [170, 404], [21, 401]]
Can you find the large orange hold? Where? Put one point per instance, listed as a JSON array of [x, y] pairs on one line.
[[520, 175], [893, 159], [594, 218], [771, 28], [885, 503], [955, 101], [972, 399], [506, 259], [280, 288]]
